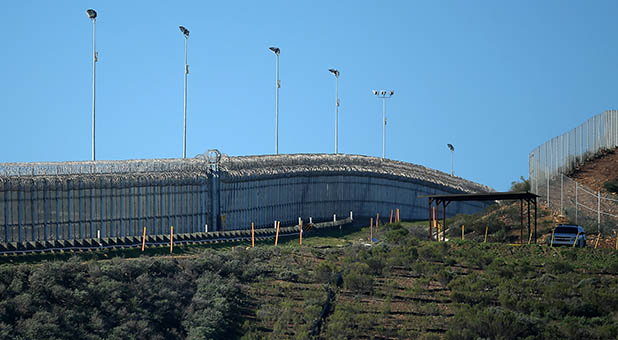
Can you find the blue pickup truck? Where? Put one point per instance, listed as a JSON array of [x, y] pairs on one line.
[[565, 234]]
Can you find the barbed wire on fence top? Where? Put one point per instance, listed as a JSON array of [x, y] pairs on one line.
[[243, 167], [102, 167], [235, 168]]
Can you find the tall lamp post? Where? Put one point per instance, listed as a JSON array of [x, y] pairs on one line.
[[185, 32], [276, 51], [384, 95], [336, 73], [92, 14], [452, 148]]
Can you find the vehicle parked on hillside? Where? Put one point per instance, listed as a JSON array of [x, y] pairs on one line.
[[566, 234]]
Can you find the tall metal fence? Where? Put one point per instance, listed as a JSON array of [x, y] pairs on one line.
[[562, 154], [103, 199], [551, 162]]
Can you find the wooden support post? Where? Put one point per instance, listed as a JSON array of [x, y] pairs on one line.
[[277, 232], [552, 239], [252, 235], [391, 219], [144, 240], [171, 239], [435, 224], [529, 224], [462, 232], [521, 219], [596, 243], [371, 230], [444, 218], [616, 240], [430, 206], [397, 218], [535, 220], [486, 228]]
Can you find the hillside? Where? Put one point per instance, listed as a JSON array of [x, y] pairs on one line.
[[400, 288], [595, 172]]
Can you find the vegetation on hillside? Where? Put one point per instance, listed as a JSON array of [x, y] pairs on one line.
[[336, 286]]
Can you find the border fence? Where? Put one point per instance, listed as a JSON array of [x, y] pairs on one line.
[[551, 163], [110, 199]]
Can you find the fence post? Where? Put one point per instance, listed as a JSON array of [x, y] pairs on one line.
[[547, 174], [561, 194], [599, 211], [576, 204]]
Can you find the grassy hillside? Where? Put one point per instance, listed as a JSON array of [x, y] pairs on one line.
[[401, 288]]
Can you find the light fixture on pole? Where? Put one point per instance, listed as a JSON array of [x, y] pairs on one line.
[[384, 95], [336, 73], [185, 32], [276, 51], [92, 14], [452, 148]]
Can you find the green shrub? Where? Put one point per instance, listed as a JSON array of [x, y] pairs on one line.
[[357, 278], [611, 186], [492, 323]]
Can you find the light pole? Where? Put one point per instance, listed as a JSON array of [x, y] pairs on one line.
[[276, 51], [336, 73], [92, 14], [452, 148], [384, 95], [185, 32]]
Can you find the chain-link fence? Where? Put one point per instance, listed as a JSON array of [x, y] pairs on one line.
[[551, 162], [596, 211]]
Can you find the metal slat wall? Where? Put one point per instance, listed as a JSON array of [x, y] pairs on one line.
[[77, 200], [322, 196], [69, 207]]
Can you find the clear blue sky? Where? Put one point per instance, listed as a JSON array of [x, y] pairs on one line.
[[493, 78]]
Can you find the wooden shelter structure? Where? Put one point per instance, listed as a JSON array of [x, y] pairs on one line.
[[445, 200]]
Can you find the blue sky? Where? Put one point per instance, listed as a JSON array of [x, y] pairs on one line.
[[493, 78]]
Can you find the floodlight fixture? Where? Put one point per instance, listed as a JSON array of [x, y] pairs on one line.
[[184, 31], [375, 92], [334, 71], [452, 148], [92, 14], [276, 50]]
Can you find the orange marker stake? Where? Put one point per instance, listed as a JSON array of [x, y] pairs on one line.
[[171, 239], [277, 233], [144, 240], [391, 219], [597, 241], [252, 236], [397, 219], [371, 229]]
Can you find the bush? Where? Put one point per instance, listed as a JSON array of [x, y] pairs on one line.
[[493, 323], [357, 278], [611, 186]]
